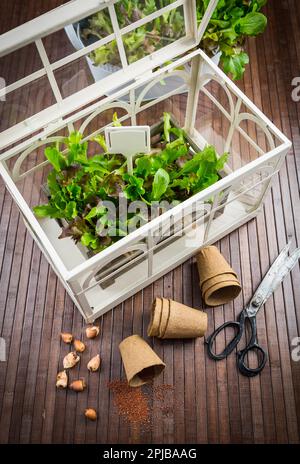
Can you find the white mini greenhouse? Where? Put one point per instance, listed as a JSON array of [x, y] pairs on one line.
[[55, 91]]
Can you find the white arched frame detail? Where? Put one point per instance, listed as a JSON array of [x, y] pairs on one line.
[[112, 105], [17, 166], [205, 79], [136, 247], [183, 74], [251, 117]]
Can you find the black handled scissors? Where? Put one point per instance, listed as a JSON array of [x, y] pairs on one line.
[[279, 269]]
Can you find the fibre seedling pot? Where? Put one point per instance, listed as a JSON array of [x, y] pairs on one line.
[[222, 293], [156, 310], [164, 317], [216, 280], [211, 263], [140, 362], [185, 322]]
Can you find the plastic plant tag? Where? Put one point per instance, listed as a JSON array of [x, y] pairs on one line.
[[129, 141]]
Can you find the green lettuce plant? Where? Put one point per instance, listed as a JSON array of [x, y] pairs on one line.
[[231, 23], [80, 185], [140, 42]]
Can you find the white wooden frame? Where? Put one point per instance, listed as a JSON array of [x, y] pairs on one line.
[[238, 187]]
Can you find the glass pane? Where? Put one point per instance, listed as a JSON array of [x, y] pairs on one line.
[[154, 35], [78, 35], [25, 102], [81, 73], [19, 64], [132, 11]]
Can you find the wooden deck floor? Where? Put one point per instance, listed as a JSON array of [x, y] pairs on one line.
[[211, 403]]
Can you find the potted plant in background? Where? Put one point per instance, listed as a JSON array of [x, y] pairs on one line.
[[141, 42], [231, 23]]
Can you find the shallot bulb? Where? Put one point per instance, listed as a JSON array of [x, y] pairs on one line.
[[90, 414], [79, 346], [62, 380], [92, 331], [70, 360], [66, 337], [94, 363], [78, 385]]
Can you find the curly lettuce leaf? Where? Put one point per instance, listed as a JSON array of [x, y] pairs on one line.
[[234, 65], [160, 184], [56, 158], [252, 24]]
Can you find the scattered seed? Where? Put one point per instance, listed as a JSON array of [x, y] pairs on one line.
[[140, 405]]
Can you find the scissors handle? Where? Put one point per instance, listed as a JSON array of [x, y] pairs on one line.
[[241, 355], [261, 355], [232, 344]]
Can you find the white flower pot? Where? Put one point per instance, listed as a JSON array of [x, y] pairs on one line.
[[100, 72]]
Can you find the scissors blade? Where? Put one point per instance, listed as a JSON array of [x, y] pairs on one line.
[[282, 265], [287, 266]]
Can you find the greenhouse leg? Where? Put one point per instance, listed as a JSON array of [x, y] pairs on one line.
[[80, 300], [192, 101]]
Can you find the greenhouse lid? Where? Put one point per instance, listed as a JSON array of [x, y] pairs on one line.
[[66, 59]]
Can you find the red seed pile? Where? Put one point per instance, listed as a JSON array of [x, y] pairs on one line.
[[132, 403], [139, 405]]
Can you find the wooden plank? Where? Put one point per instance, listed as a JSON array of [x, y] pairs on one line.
[[33, 362], [189, 393], [231, 314], [39, 411], [53, 366], [157, 345], [127, 330], [62, 425], [105, 395], [115, 370], [179, 414], [18, 293], [168, 375]]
